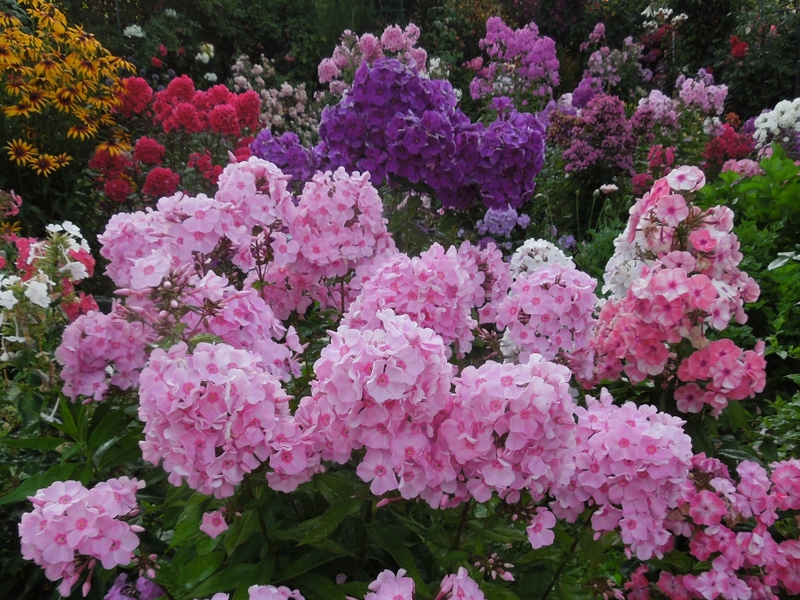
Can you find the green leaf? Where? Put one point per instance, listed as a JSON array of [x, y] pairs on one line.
[[328, 521], [118, 452], [230, 578], [317, 587], [389, 542], [69, 426], [335, 487], [308, 561], [106, 428], [189, 521], [201, 568], [494, 591], [240, 531], [676, 562], [38, 481], [503, 535], [592, 549], [38, 443]]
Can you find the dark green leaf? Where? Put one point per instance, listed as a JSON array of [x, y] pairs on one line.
[[329, 520], [494, 591], [389, 542], [109, 427], [308, 561], [201, 568], [39, 443], [189, 521], [38, 481], [230, 578], [317, 587], [592, 549]]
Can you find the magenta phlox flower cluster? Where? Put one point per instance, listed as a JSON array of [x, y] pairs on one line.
[[381, 388], [701, 94], [353, 51], [400, 127], [746, 561], [602, 137], [518, 59], [511, 428], [438, 289], [632, 463], [674, 275], [71, 528], [140, 589], [98, 350], [550, 311], [212, 415]]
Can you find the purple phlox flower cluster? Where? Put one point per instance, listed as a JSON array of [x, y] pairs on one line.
[[550, 311], [602, 137], [612, 66], [663, 109], [141, 589], [520, 61], [587, 89], [595, 38], [399, 126], [499, 222], [353, 51], [71, 528], [632, 462], [287, 152], [701, 94]]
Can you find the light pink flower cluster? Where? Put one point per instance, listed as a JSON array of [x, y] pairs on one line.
[[71, 528], [631, 462], [381, 388], [212, 415], [701, 94], [338, 70], [727, 523], [674, 275], [439, 289], [511, 428], [550, 311], [99, 350], [744, 167]]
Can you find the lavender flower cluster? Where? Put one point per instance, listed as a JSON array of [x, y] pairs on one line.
[[401, 127], [286, 152]]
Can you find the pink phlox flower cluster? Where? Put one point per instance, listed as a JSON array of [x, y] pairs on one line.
[[729, 373], [745, 562], [493, 287], [212, 415], [435, 289], [98, 350], [632, 463], [382, 388], [270, 592], [460, 586], [71, 528], [519, 55], [338, 70], [550, 311], [665, 111], [674, 275], [701, 94], [511, 428], [391, 586], [744, 167], [610, 66], [128, 237], [339, 222], [244, 321]]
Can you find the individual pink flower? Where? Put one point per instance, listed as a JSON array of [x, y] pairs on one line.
[[686, 179], [540, 532], [213, 524]]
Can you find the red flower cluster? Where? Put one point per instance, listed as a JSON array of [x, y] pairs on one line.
[[218, 110], [161, 181], [729, 145], [114, 174], [738, 48], [201, 161], [148, 151], [135, 95]]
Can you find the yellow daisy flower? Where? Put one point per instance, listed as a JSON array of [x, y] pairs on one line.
[[82, 130], [21, 151], [44, 164]]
